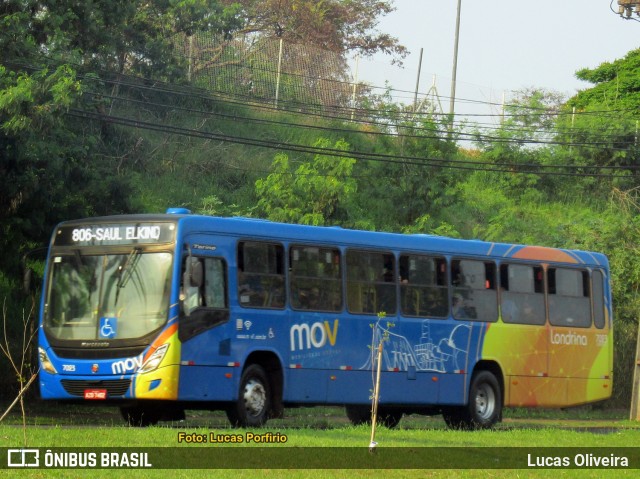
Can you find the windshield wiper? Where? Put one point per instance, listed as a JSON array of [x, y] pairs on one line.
[[126, 270]]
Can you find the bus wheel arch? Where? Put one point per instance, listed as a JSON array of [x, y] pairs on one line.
[[260, 391], [485, 400]]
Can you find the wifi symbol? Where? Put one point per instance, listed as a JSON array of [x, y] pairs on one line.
[[247, 325]]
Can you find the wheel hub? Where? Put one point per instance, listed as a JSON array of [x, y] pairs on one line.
[[254, 397]]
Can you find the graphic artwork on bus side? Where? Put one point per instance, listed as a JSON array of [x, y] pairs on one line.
[[440, 353]]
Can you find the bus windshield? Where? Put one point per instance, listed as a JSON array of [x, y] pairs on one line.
[[107, 296]]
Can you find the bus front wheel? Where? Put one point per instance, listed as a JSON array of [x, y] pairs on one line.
[[254, 399], [484, 408]]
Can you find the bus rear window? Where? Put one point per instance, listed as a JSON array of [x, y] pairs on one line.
[[598, 300]]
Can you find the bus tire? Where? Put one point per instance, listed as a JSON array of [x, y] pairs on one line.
[[484, 408], [140, 416], [254, 399], [358, 414], [389, 417]]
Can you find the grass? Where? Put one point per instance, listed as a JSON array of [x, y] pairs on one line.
[[52, 426]]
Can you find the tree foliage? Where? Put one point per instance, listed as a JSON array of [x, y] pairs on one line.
[[337, 25], [602, 123], [317, 192], [53, 165], [615, 85]]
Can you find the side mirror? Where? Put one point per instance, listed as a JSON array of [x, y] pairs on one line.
[[27, 271]]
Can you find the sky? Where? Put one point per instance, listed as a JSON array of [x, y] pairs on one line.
[[505, 46]]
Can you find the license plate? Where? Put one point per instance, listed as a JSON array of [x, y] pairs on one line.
[[95, 394]]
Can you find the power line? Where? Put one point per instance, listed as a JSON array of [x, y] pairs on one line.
[[391, 159], [225, 97], [598, 141], [475, 136]]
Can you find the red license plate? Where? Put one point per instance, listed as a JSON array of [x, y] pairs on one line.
[[95, 394]]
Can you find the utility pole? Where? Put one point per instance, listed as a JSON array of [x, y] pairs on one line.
[[355, 86], [455, 63], [415, 96], [279, 71]]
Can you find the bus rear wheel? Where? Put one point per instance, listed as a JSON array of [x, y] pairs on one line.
[[484, 408], [254, 399]]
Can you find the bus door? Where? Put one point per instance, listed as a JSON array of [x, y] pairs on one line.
[[579, 342], [204, 315]]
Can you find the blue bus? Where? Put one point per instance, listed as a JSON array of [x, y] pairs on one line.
[[162, 313]]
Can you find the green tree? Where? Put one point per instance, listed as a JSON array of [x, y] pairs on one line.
[[315, 193], [47, 169], [601, 124], [55, 165], [124, 36], [412, 180], [338, 25]]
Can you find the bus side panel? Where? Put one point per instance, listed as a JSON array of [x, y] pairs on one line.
[[530, 391], [578, 353], [453, 389], [420, 358], [521, 352], [306, 385], [208, 383], [551, 366], [582, 391], [350, 387]]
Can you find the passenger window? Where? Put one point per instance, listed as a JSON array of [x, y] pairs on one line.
[[316, 280], [371, 285], [261, 275], [598, 299], [522, 294], [474, 293], [569, 303], [423, 286]]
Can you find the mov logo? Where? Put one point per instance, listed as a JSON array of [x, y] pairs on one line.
[[23, 458], [304, 336]]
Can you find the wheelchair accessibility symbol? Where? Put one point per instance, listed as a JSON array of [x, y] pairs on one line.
[[108, 328]]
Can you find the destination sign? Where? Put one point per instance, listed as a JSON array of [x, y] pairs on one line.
[[114, 234]]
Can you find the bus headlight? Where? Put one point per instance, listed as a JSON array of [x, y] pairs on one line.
[[155, 359], [45, 362]]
